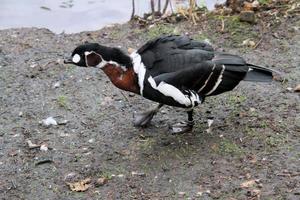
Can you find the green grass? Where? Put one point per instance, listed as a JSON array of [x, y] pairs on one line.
[[106, 175], [227, 147], [160, 29], [63, 101], [236, 99], [235, 30], [264, 2]]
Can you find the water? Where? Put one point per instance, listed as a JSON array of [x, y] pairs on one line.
[[73, 16]]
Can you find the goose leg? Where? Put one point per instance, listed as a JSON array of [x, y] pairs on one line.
[[144, 118], [183, 127]]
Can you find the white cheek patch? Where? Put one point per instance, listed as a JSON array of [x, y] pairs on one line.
[[76, 58]]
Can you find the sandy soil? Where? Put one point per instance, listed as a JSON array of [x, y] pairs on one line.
[[251, 152]]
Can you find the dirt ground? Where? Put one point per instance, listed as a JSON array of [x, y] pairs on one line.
[[251, 152]]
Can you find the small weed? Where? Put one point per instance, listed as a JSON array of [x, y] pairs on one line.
[[236, 30], [147, 143], [229, 147], [106, 175], [264, 2], [161, 29], [236, 99], [63, 101], [116, 34], [274, 141]]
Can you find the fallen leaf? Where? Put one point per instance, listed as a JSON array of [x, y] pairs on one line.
[[80, 186]]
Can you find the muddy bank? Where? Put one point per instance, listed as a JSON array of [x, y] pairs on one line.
[[251, 152]]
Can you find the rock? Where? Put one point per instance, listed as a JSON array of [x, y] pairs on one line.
[[181, 193], [289, 89], [247, 16], [91, 140], [63, 122], [249, 43], [56, 85], [235, 5], [101, 181], [138, 174], [297, 88], [70, 176], [251, 6], [32, 145], [49, 121], [44, 147]]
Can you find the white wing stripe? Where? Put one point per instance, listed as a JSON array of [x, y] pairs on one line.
[[212, 71], [139, 68], [218, 81]]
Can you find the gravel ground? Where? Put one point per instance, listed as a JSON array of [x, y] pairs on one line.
[[251, 151]]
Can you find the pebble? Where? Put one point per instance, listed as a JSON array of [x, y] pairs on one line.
[[70, 176], [247, 16], [91, 140], [44, 147], [49, 121], [32, 145], [248, 43], [56, 85], [101, 181], [138, 174], [297, 88]]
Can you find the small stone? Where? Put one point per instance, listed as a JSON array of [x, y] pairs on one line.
[[289, 89], [20, 114], [63, 122], [32, 145], [70, 176], [33, 65], [101, 181], [120, 175], [251, 6], [91, 140], [247, 16], [44, 147], [297, 88], [248, 43], [210, 122], [56, 85], [181, 193], [49, 121], [138, 174]]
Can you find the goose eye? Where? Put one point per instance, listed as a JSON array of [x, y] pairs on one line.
[[76, 58]]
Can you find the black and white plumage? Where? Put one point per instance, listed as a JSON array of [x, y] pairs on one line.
[[193, 68], [172, 70]]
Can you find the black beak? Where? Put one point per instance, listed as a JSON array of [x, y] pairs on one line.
[[68, 61]]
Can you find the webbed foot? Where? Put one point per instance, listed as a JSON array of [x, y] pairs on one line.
[[181, 127], [144, 118]]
